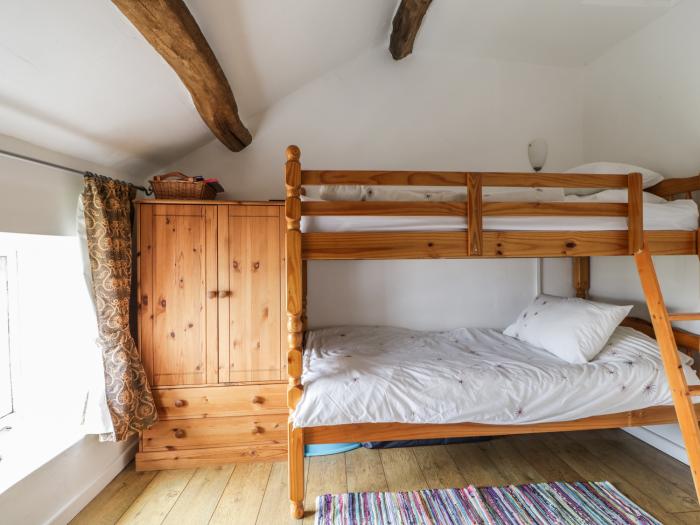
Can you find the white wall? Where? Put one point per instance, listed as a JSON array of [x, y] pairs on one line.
[[642, 106], [425, 112], [38, 199], [56, 492], [41, 200]]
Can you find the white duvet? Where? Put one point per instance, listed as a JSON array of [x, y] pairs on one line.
[[387, 374], [658, 215]]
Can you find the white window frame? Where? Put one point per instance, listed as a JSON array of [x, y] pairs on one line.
[[7, 420]]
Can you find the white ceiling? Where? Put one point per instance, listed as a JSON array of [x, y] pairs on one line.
[[550, 32], [76, 77]]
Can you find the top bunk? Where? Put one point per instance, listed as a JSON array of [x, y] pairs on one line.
[[478, 224]]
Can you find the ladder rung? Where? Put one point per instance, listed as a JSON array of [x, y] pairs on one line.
[[694, 390], [684, 317]]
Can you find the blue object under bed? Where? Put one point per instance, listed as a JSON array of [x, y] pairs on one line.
[[327, 450], [339, 448]]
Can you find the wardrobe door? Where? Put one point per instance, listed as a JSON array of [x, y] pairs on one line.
[[250, 309], [178, 299]]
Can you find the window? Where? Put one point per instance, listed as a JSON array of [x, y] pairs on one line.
[[7, 318], [47, 350]]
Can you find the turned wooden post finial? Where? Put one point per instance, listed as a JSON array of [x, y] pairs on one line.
[[293, 152]]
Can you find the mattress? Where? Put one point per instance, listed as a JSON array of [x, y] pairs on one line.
[[388, 374], [671, 215]]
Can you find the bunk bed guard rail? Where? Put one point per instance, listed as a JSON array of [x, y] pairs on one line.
[[474, 209]]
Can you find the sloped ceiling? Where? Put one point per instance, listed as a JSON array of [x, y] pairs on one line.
[[565, 33], [76, 77]]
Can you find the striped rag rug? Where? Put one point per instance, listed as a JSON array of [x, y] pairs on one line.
[[538, 503]]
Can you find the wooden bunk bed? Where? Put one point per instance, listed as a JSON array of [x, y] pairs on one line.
[[474, 242]]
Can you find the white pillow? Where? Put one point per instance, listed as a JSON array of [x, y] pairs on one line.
[[572, 329], [615, 196], [399, 193], [350, 192], [494, 194], [649, 178], [501, 194]]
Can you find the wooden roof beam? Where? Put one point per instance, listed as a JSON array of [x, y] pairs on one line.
[[407, 21], [173, 32]]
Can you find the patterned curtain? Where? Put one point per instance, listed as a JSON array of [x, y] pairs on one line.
[[107, 206]]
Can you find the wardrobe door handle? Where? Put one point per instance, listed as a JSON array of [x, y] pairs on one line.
[[224, 294], [180, 433], [256, 265], [258, 400], [213, 294], [258, 430], [179, 403]]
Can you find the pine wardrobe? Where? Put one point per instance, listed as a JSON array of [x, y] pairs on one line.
[[211, 333]]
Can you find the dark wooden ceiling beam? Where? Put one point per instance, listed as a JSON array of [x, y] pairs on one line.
[[173, 32], [407, 21]]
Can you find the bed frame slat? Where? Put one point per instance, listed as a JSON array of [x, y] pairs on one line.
[[496, 244], [442, 208], [546, 209], [391, 431], [384, 178], [456, 178], [554, 180]]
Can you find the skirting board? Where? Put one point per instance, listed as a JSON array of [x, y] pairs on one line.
[[92, 489], [673, 449]]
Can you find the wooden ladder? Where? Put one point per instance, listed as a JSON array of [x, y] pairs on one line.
[[681, 392]]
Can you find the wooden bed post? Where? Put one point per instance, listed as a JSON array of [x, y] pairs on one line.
[[635, 217], [582, 276], [475, 239], [295, 288]]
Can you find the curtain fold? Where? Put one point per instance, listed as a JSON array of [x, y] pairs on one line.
[[107, 210]]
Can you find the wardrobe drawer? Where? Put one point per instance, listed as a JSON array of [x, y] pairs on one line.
[[218, 401], [182, 434]]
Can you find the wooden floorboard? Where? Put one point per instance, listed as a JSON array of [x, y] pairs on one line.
[[256, 493], [155, 502], [592, 469], [438, 468], [475, 466], [549, 465], [197, 502], [326, 475], [689, 518], [664, 465], [115, 499], [364, 471], [401, 469], [243, 494], [646, 477], [514, 467], [274, 508]]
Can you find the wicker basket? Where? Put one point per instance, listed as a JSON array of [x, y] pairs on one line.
[[176, 185]]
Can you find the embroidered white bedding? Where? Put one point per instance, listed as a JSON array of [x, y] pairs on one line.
[[388, 374], [658, 215]]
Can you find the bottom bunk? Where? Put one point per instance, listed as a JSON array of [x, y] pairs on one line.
[[374, 383]]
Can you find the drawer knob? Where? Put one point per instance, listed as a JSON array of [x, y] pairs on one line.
[[258, 400], [258, 430], [180, 433], [179, 403]]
